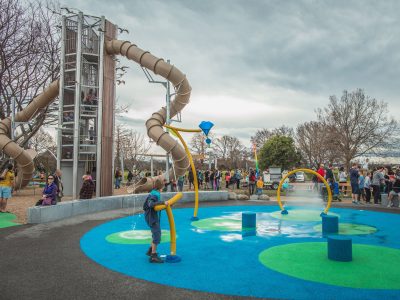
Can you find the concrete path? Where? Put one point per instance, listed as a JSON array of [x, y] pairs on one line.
[[45, 261]]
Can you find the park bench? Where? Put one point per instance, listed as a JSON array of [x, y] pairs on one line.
[[347, 188]]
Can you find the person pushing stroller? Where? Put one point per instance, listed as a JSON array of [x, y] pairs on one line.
[[330, 178]]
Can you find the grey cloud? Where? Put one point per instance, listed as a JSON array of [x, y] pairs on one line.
[[289, 53], [131, 122]]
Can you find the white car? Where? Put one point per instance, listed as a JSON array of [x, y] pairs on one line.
[[300, 177]]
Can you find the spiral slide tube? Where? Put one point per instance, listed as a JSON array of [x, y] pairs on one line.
[[155, 124], [22, 157]]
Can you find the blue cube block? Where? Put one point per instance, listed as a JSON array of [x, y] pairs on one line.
[[340, 248], [330, 224], [248, 220]]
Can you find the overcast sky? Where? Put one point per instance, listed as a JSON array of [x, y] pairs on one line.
[[258, 64]]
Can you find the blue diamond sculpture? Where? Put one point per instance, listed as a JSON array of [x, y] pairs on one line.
[[206, 126]]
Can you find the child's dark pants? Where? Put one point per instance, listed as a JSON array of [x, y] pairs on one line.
[[156, 233]]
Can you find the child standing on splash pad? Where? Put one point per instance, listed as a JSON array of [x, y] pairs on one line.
[[152, 218]]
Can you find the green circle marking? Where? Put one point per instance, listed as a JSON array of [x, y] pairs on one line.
[[219, 224], [300, 215], [372, 267], [351, 229], [6, 220], [136, 237]]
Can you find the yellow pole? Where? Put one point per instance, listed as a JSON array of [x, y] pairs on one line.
[[172, 232], [171, 201], [196, 185], [306, 171], [182, 129], [171, 220]]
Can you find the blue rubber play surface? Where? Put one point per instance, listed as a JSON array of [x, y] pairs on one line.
[[217, 256]]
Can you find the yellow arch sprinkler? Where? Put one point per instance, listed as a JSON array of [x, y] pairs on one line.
[[205, 127], [172, 258], [283, 210]]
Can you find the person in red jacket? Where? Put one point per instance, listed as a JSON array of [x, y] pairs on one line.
[[320, 171]]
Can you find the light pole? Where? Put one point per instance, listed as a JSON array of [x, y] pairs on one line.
[[14, 124], [209, 152], [122, 164]]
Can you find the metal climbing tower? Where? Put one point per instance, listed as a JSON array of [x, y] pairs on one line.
[[86, 108]]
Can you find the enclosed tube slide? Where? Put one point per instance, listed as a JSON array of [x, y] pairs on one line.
[[22, 157], [155, 124]]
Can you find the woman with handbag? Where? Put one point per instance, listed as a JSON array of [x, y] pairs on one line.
[[49, 192]]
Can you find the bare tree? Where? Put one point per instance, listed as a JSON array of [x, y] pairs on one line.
[[45, 146], [46, 161], [283, 131], [358, 123], [229, 149], [42, 141], [235, 149], [135, 146], [315, 144], [221, 146], [263, 135], [198, 142], [121, 137], [29, 59], [237, 152]]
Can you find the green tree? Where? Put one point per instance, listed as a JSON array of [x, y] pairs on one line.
[[279, 151]]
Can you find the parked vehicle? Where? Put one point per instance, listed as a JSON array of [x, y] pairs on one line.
[[272, 178], [300, 176]]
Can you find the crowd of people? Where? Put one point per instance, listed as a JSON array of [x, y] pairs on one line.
[[208, 179], [366, 185]]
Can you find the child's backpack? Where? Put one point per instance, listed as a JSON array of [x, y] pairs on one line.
[[146, 205]]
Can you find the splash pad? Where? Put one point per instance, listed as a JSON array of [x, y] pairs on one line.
[[218, 257]]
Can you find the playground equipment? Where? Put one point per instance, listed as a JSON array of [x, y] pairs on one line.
[[340, 248], [22, 157], [176, 131], [330, 224], [249, 220], [172, 258], [328, 205], [249, 224], [155, 123], [87, 100]]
